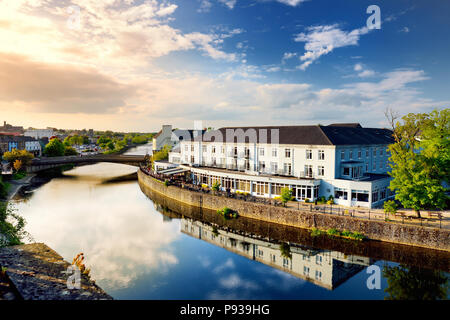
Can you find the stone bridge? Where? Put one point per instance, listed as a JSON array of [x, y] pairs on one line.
[[48, 163]]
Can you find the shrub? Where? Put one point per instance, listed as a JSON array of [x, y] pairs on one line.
[[166, 183], [285, 250], [316, 232], [286, 195], [390, 207], [331, 201], [333, 232], [227, 213], [307, 200], [216, 186]]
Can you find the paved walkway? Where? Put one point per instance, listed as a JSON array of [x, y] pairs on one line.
[[404, 216], [16, 185]]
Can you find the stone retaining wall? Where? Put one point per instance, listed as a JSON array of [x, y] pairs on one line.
[[375, 230]]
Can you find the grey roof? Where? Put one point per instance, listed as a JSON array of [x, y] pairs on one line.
[[304, 135], [353, 125]]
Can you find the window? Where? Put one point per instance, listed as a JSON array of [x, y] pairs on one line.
[[274, 152], [321, 170], [287, 168], [261, 151], [309, 154], [213, 149], [346, 171], [374, 167], [285, 262], [359, 154], [287, 153], [321, 155], [383, 194], [381, 151], [306, 258], [340, 194], [351, 154], [273, 167], [222, 149], [374, 152], [367, 167], [306, 271], [375, 196], [367, 153], [308, 171], [342, 155], [381, 165], [186, 148], [319, 260], [318, 275], [204, 149], [262, 165], [192, 147]]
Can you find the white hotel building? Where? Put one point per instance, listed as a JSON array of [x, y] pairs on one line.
[[345, 161]]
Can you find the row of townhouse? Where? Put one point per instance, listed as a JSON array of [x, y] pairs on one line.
[[325, 268], [345, 161], [8, 143]]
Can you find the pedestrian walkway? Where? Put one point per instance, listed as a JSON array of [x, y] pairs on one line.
[[435, 219]]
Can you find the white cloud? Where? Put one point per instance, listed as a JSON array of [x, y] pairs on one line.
[[292, 3], [404, 30], [229, 3], [363, 72], [321, 40]]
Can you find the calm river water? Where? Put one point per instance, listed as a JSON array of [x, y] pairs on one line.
[[137, 252]]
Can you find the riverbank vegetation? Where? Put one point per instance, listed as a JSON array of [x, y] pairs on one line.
[[4, 187], [228, 213], [336, 233], [285, 251], [420, 159], [11, 226], [15, 155]]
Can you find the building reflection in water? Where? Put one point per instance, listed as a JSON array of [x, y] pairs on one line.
[[324, 268]]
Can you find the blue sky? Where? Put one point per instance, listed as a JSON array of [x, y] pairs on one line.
[[137, 64]]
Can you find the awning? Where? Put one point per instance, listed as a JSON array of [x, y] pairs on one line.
[[173, 171]]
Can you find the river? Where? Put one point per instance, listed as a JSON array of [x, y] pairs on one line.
[[137, 252]]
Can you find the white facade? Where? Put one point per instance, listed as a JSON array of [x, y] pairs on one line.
[[325, 268], [34, 147], [163, 137], [355, 175], [39, 133]]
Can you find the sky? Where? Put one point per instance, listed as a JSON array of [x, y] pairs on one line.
[[134, 65]]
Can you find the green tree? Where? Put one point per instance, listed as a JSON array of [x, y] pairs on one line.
[[3, 189], [69, 151], [54, 148], [163, 154], [23, 155], [110, 145], [390, 207], [413, 283], [139, 140], [420, 159], [286, 195], [103, 140], [285, 250], [11, 226]]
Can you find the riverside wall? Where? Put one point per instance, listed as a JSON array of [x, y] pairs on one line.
[[375, 230]]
